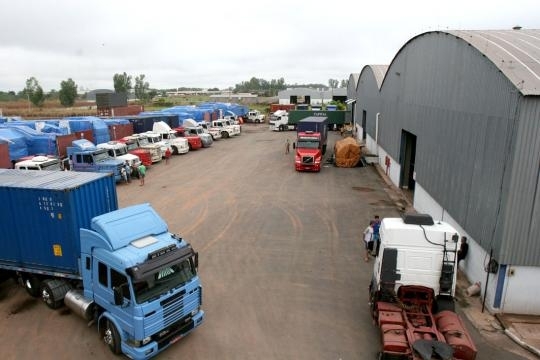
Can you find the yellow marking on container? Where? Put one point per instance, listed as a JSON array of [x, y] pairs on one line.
[[57, 249]]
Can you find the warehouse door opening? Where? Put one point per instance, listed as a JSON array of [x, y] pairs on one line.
[[406, 160]]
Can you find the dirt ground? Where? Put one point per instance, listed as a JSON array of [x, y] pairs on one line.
[[280, 254]]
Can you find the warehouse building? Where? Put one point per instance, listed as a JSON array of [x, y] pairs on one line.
[[455, 120], [311, 96]]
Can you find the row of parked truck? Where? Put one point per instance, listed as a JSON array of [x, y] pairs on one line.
[[119, 269], [147, 148]]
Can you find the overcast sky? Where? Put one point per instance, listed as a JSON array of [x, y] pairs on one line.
[[219, 43]]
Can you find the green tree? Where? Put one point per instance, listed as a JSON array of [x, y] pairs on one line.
[[68, 92], [34, 92], [122, 83], [333, 83], [141, 88], [344, 83]]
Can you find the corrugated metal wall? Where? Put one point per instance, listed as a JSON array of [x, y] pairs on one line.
[[522, 210], [463, 113]]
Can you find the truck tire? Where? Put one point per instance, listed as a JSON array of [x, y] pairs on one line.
[[32, 285], [111, 337], [281, 128], [225, 135], [175, 150], [53, 292]]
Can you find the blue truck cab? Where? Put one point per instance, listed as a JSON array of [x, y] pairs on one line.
[[120, 269], [143, 277], [85, 156]]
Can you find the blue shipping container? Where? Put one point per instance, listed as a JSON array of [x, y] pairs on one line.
[[42, 212]]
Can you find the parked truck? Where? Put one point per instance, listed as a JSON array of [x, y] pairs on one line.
[[208, 128], [279, 121], [255, 116], [142, 142], [191, 128], [119, 150], [178, 145], [225, 130], [85, 156], [133, 148], [40, 162], [119, 269], [412, 291], [310, 145]]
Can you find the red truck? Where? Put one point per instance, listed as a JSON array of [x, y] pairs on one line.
[[194, 141], [310, 145], [134, 149]]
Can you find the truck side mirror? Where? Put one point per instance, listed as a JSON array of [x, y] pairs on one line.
[[294, 145], [118, 296], [196, 260]]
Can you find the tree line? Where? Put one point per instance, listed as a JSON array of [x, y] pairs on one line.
[[271, 88], [122, 83]]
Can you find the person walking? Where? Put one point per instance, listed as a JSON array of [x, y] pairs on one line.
[[368, 240], [142, 173], [167, 156], [287, 146]]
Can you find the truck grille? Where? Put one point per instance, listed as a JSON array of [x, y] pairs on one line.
[[176, 310], [307, 160]]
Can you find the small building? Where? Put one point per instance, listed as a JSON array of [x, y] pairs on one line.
[[311, 96]]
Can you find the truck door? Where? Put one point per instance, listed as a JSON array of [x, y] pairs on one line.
[[389, 272], [108, 280]]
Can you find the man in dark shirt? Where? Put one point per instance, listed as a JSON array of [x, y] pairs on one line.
[[463, 249]]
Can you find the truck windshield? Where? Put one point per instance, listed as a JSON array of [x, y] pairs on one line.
[[101, 156], [132, 146], [308, 144], [160, 282], [121, 151], [51, 166]]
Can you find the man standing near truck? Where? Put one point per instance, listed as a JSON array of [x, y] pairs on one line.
[[142, 173], [376, 238]]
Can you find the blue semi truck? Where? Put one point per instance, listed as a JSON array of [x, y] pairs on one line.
[[65, 240], [83, 155]]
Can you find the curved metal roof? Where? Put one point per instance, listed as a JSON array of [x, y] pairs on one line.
[[379, 71], [515, 52]]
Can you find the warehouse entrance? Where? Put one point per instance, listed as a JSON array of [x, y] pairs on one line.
[[407, 155]]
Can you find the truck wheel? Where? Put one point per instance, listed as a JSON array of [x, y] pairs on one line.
[[53, 292], [111, 338], [32, 285], [225, 135], [281, 128], [175, 150]]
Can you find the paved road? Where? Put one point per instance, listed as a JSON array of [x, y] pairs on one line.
[[280, 259]]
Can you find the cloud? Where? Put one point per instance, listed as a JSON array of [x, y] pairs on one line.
[[219, 44]]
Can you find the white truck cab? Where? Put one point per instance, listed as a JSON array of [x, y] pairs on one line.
[[119, 150], [212, 130], [255, 116], [39, 162], [418, 251], [279, 121], [225, 128], [178, 145], [155, 138]]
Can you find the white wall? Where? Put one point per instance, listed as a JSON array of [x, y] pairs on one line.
[[520, 290]]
